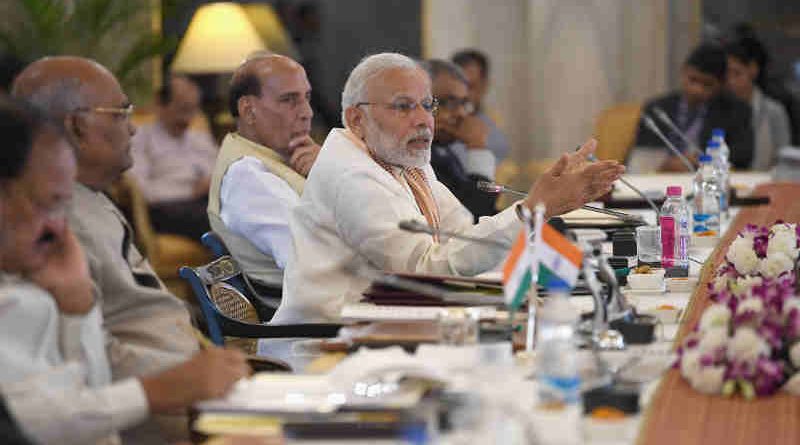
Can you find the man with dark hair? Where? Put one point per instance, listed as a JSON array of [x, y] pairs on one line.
[[261, 168], [458, 153], [475, 66], [701, 105], [172, 162]]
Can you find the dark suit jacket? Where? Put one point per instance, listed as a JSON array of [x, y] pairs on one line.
[[451, 172], [724, 111]]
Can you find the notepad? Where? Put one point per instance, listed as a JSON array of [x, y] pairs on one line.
[[371, 312]]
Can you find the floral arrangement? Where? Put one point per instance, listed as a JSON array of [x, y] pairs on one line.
[[748, 340]]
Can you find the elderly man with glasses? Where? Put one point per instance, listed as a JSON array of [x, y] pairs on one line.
[[375, 173], [149, 328]]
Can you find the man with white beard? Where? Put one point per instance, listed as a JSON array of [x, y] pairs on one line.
[[375, 173]]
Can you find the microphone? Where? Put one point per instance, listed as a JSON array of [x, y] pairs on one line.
[[651, 124], [418, 227], [664, 117], [635, 189], [493, 187]]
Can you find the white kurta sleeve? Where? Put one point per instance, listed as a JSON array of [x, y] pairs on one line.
[[256, 204], [375, 235]]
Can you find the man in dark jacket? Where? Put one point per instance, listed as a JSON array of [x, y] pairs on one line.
[[459, 155], [698, 107]]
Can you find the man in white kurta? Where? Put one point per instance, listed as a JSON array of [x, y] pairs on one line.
[[376, 173]]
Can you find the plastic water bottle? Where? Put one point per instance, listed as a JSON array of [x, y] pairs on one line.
[[675, 232], [556, 352], [706, 199], [720, 155]]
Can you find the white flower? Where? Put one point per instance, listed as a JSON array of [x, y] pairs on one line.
[[713, 339], [794, 355], [742, 255], [690, 363], [746, 346], [783, 228], [750, 304], [741, 287], [792, 386], [719, 283], [783, 242], [775, 264], [716, 316], [708, 380]]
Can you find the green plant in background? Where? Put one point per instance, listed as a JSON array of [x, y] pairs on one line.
[[117, 33]]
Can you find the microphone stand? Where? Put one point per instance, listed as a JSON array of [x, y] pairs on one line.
[[418, 227], [651, 124], [664, 117]]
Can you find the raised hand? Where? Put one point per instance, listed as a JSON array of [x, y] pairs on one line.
[[66, 274], [573, 181], [210, 374], [303, 152]]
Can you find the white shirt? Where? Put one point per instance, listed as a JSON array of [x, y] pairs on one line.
[[167, 167], [256, 204], [347, 219], [54, 372]]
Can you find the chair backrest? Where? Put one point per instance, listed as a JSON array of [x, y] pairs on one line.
[[214, 243], [127, 195], [615, 130]]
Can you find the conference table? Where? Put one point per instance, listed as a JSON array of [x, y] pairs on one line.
[[672, 412]]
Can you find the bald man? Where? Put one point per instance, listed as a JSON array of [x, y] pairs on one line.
[[172, 162], [149, 329], [261, 168]]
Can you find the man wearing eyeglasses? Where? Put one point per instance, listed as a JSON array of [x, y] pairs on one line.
[[261, 168], [375, 173], [459, 154], [149, 328]]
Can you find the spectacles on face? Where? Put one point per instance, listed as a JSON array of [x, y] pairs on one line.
[[405, 107], [123, 112], [452, 103]]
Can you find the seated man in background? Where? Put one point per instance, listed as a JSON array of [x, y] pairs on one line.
[[770, 122], [54, 370], [456, 125], [149, 328], [375, 173], [475, 65], [172, 163], [701, 105], [261, 168]]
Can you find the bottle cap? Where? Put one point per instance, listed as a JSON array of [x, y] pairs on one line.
[[674, 190], [713, 145], [705, 158], [718, 132]]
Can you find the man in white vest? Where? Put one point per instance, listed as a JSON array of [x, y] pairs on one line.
[[376, 172], [261, 168]]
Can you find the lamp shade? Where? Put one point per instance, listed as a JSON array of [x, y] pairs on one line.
[[218, 40]]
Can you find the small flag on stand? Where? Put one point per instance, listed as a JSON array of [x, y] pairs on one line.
[[518, 271]]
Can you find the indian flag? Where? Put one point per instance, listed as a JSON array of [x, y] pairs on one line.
[[517, 272], [559, 260]]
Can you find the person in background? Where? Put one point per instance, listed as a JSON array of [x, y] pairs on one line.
[[172, 163], [770, 122], [261, 168], [455, 128], [475, 65], [54, 368], [701, 105]]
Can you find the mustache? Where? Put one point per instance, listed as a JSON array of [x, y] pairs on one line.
[[421, 133]]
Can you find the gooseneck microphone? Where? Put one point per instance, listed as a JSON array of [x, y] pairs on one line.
[[493, 187], [635, 189], [664, 117], [413, 226], [651, 124]]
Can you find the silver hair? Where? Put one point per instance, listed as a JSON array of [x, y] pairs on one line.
[[355, 89], [58, 98]]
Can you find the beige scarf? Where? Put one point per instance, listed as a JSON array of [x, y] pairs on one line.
[[415, 178]]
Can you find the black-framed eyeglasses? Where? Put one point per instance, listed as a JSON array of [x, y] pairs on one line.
[[451, 103], [406, 106]]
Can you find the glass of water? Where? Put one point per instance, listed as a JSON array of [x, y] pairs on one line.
[[648, 244], [458, 327]]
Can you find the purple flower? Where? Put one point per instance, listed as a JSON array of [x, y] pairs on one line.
[[760, 245]]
